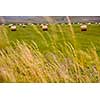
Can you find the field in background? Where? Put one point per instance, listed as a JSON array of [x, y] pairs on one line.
[[54, 33], [35, 55]]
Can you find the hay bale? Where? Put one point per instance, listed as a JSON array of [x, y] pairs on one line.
[[10, 25], [41, 25], [69, 23], [20, 24], [13, 28], [3, 24], [29, 24], [83, 27], [80, 23], [47, 24], [44, 27], [96, 23], [89, 23], [24, 25]]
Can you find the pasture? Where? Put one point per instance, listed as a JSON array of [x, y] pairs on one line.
[[56, 34], [56, 55]]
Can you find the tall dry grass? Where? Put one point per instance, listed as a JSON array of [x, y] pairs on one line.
[[25, 63]]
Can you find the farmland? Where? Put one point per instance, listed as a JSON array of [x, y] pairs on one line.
[[36, 34], [34, 55]]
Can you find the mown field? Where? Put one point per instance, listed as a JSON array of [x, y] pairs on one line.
[[44, 38], [56, 55]]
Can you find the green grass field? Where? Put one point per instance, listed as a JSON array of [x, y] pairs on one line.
[[34, 55], [43, 39]]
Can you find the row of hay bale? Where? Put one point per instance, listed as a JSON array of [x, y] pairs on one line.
[[23, 25], [14, 27], [44, 27], [88, 23], [31, 24], [83, 27]]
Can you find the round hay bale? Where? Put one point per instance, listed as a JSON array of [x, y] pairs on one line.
[[20, 24], [24, 26], [83, 27], [3, 24], [10, 25], [69, 23], [80, 23], [41, 25], [44, 27], [96, 23], [13, 28], [28, 23], [47, 24], [89, 23]]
